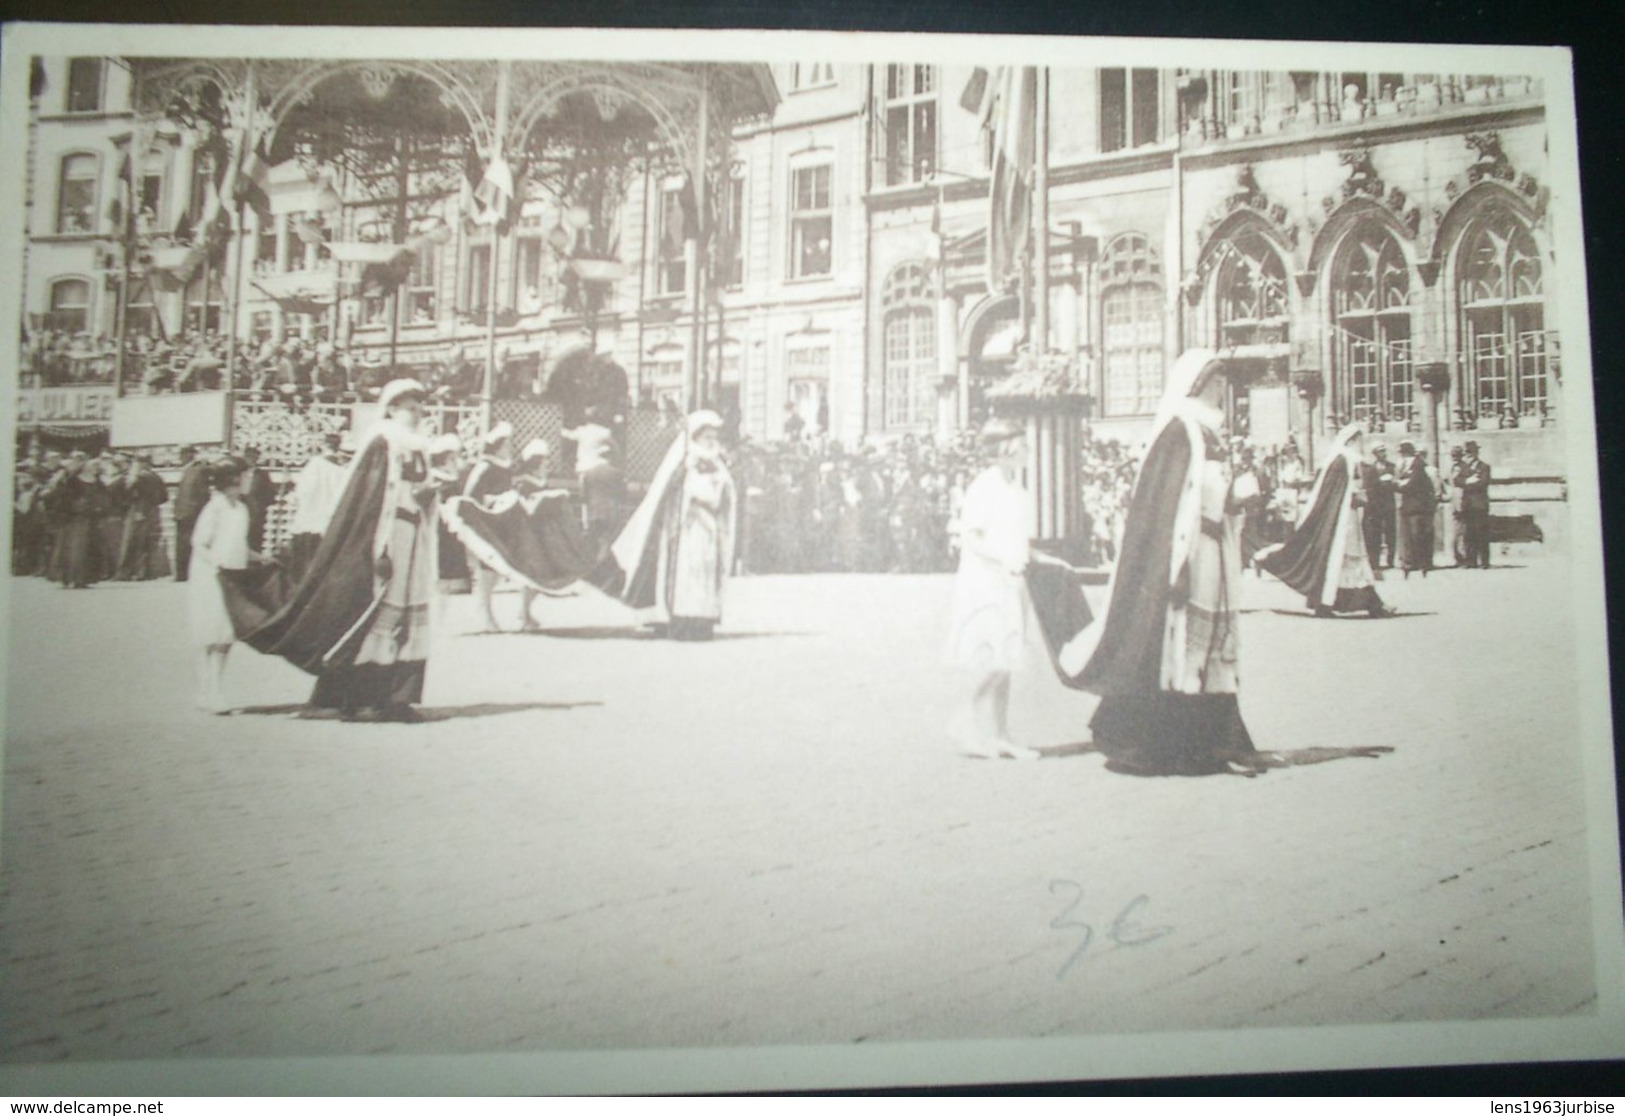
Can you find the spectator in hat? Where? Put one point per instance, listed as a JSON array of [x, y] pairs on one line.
[[259, 493], [1456, 542], [1418, 502], [1378, 523], [1473, 479], [190, 495], [141, 553]]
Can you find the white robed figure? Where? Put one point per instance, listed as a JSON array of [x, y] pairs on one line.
[[678, 548]]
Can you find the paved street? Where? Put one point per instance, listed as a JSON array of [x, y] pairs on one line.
[[606, 840]]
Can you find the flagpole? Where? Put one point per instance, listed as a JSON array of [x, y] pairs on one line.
[[127, 235], [697, 328], [232, 342], [1040, 209], [498, 135]]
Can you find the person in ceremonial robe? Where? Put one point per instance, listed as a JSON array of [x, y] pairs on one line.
[[676, 551], [1327, 559], [491, 478], [531, 534], [1167, 664], [358, 615]]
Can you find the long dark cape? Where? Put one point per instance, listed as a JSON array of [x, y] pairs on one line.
[[1128, 658], [536, 539], [1063, 611], [301, 608], [1303, 559]]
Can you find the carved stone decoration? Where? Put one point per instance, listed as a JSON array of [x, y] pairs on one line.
[[1363, 180], [1491, 161], [1306, 282], [1247, 197]]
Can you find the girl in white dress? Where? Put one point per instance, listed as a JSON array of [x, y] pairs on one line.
[[988, 635], [219, 542]]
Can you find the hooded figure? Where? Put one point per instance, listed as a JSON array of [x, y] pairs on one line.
[[1167, 664], [357, 615], [1326, 559], [678, 547]]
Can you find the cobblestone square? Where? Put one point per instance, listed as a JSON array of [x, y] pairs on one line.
[[601, 840]]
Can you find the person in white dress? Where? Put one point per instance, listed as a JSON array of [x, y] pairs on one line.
[[988, 633], [219, 542]]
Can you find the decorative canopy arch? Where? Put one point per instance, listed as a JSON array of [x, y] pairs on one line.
[[1243, 226]]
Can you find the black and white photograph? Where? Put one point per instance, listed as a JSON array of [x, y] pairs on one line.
[[795, 560]]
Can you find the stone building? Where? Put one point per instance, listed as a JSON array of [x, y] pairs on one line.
[[1370, 246]]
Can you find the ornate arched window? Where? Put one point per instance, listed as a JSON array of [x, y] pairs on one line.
[[1131, 316], [1501, 302], [1251, 290], [1373, 379], [909, 353]]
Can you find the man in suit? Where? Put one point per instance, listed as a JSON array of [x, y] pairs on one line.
[[259, 493], [1455, 543], [190, 495], [1473, 478], [1376, 483]]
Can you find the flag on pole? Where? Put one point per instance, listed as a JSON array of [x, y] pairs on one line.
[[253, 179], [494, 195], [1011, 115]]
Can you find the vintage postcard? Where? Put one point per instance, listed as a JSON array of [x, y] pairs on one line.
[[604, 561]]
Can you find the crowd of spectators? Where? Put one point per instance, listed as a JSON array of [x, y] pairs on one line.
[[294, 369], [812, 506]]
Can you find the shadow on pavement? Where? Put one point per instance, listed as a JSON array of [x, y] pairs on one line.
[[426, 712], [641, 634], [1305, 614], [1062, 751]]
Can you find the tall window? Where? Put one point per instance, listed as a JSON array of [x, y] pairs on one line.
[[807, 383], [1129, 108], [70, 306], [76, 194], [141, 316], [421, 302], [202, 183], [478, 279], [670, 259], [1502, 307], [1251, 289], [909, 347], [812, 222], [910, 123], [731, 267], [85, 84], [811, 75], [663, 373], [527, 274], [204, 299], [1373, 381], [265, 244], [149, 196], [1131, 319]]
